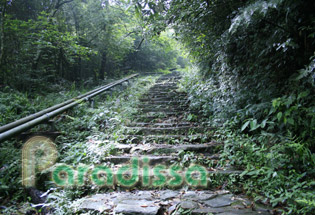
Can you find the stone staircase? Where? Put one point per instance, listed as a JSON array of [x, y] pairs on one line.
[[161, 138]]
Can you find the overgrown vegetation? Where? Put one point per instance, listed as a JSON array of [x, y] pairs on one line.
[[48, 42], [88, 135], [252, 76], [255, 80]]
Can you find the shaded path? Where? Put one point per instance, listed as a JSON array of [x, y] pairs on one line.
[[161, 135]]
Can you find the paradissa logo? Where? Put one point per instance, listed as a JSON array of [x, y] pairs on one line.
[[39, 154], [138, 172]]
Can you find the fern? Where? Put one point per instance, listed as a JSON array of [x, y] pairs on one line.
[[246, 14]]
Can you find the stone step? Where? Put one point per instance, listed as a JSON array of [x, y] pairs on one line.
[[170, 88], [165, 92], [149, 102], [166, 83], [212, 147], [154, 160], [170, 78], [161, 125], [169, 149], [163, 98], [163, 105], [163, 102], [160, 118], [163, 117], [153, 157], [149, 116], [168, 92], [159, 109], [151, 73], [144, 172], [157, 106], [158, 88], [161, 113], [165, 139], [149, 202], [183, 130]]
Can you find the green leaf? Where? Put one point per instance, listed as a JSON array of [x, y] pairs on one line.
[[254, 125], [290, 121], [275, 103], [279, 116], [244, 126], [303, 94], [263, 123]]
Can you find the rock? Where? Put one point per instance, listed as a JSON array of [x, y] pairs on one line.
[[98, 202], [220, 201], [201, 195], [168, 194], [145, 195], [123, 147], [172, 209], [138, 196], [137, 207], [189, 205], [224, 211]]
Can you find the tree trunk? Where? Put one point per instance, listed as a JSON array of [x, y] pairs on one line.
[[2, 32], [103, 66], [77, 68]]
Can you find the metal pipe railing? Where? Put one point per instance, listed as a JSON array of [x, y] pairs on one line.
[[28, 122]]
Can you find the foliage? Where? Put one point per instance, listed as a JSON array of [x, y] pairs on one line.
[[254, 76], [272, 141], [16, 105], [87, 136], [250, 55], [47, 42], [162, 54], [278, 172]]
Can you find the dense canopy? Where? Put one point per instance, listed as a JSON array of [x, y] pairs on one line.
[[248, 71]]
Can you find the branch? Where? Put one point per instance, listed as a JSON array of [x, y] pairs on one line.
[[276, 25], [58, 5], [139, 46], [102, 29], [127, 35]]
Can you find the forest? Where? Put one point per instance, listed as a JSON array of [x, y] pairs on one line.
[[234, 75]]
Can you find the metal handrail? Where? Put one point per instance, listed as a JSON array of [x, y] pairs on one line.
[[30, 121]]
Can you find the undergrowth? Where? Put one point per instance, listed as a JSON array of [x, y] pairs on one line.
[[87, 136], [271, 142]]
